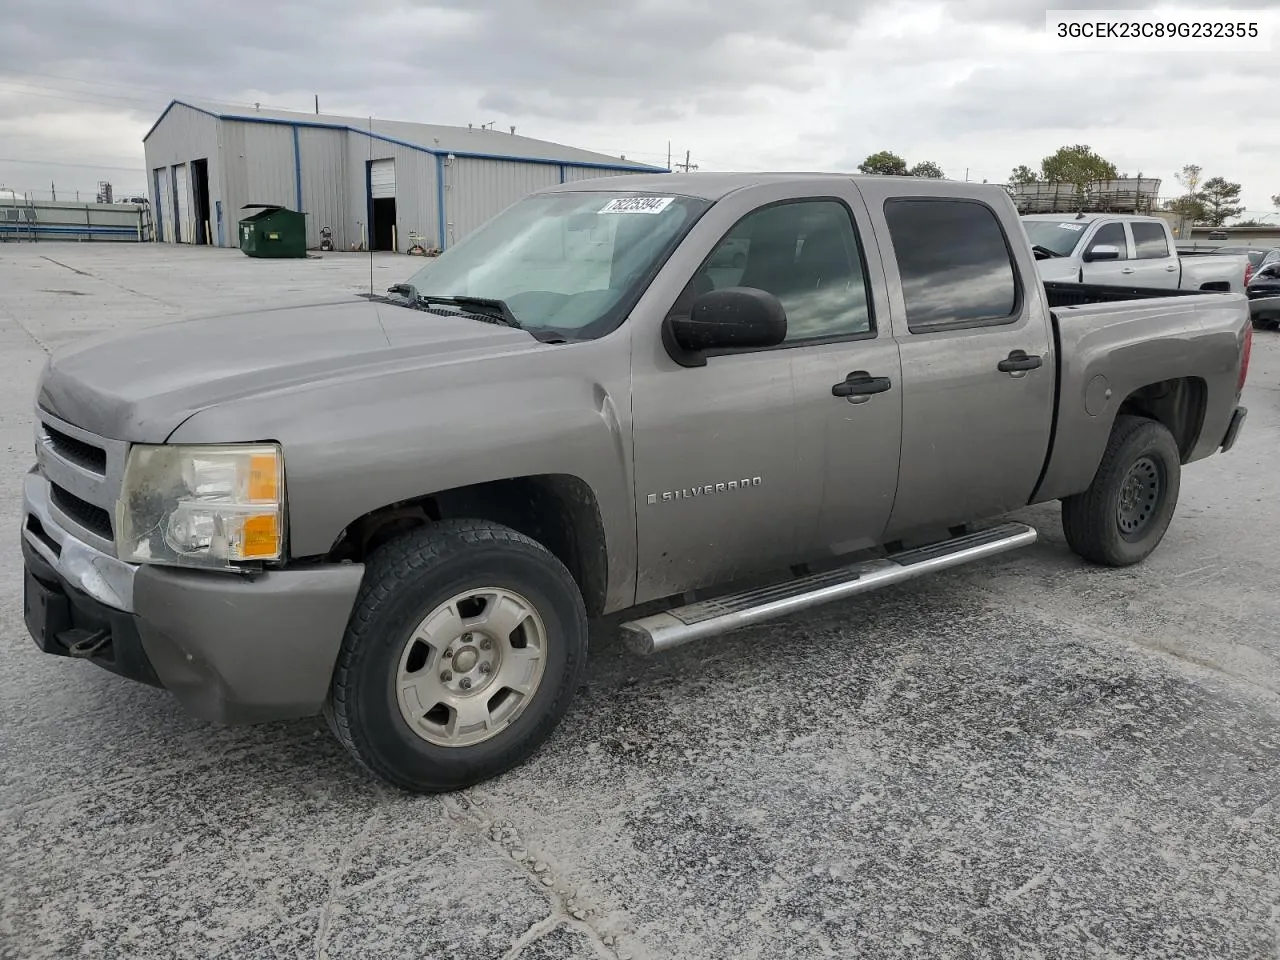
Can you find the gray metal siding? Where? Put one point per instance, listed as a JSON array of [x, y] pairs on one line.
[[269, 165], [574, 174], [260, 169], [324, 172], [182, 136], [415, 189], [476, 190]]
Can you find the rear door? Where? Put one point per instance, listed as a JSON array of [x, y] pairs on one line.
[[1112, 234], [1155, 262], [977, 358]]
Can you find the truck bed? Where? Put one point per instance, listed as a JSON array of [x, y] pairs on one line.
[[1060, 294]]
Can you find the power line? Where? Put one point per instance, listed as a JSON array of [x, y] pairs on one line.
[[139, 168]]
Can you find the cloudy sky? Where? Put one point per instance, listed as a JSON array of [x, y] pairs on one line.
[[742, 84]]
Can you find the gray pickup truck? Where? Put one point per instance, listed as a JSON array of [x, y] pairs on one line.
[[401, 510]]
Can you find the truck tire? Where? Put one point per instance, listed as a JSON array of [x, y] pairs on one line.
[[464, 649], [1124, 513]]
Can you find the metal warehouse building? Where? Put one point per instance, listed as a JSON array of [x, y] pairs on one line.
[[372, 183]]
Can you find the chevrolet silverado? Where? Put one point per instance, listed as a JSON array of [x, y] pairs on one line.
[[401, 510]]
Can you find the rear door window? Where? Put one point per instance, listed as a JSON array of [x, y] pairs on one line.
[[1149, 241], [955, 263]]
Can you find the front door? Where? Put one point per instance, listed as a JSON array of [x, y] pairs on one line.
[[977, 361], [1155, 263], [1112, 272], [750, 462]]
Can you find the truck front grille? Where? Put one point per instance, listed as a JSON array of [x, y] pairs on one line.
[[85, 472], [78, 452], [82, 512]]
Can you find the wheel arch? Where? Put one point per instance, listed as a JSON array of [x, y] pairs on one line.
[[1179, 404], [559, 511]]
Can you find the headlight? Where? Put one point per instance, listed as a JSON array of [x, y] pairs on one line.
[[206, 506]]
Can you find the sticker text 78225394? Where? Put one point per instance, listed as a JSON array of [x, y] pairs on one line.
[[637, 205]]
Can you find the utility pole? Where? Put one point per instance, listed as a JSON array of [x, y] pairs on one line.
[[668, 154], [317, 104], [53, 188], [686, 166]]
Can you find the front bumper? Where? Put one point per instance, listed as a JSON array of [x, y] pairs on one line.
[[231, 648]]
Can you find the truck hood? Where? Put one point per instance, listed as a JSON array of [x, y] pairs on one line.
[[141, 386], [1058, 269]]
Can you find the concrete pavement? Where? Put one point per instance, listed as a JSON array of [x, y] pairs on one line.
[[1028, 757]]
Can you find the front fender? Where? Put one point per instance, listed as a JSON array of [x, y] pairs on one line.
[[354, 446]]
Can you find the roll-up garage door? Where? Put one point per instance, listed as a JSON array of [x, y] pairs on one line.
[[382, 179], [182, 205], [164, 204]]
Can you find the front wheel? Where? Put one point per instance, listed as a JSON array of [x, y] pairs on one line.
[[1124, 513], [462, 654]]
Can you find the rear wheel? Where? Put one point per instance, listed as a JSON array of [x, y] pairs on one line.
[[1124, 513], [463, 652]]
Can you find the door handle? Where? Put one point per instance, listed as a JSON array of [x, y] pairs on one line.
[[1172, 267], [1127, 270], [860, 385], [1018, 361]]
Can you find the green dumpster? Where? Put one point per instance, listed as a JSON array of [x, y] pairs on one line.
[[273, 231]]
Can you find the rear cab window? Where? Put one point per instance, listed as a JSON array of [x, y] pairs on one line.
[[1150, 242], [955, 263]]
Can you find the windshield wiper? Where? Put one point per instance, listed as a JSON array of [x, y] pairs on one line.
[[487, 306], [482, 308], [1045, 252]]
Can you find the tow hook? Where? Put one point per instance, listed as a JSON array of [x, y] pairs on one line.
[[89, 646]]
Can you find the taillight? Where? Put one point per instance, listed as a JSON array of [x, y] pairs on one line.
[[1248, 272], [1244, 356]]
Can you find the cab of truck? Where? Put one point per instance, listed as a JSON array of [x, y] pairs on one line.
[[1124, 250]]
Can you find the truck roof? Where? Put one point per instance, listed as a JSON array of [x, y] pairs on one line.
[[714, 186], [1088, 217]]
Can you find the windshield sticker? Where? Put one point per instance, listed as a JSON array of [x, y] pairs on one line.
[[1075, 227], [636, 205]]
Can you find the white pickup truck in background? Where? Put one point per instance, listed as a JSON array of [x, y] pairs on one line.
[[1124, 250]]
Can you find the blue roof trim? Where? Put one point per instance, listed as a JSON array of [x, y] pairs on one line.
[[176, 103], [468, 155]]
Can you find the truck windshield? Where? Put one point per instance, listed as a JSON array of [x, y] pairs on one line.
[[566, 265], [1060, 236]]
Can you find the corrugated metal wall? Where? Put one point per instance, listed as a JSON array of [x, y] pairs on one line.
[[574, 174], [182, 136], [324, 177], [260, 168], [476, 190], [415, 189]]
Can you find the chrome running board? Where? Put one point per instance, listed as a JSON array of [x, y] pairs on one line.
[[706, 618]]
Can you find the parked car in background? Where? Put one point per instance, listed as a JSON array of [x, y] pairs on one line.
[[1124, 249], [1264, 296], [1257, 256], [401, 510]]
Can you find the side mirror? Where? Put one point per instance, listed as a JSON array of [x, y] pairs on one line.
[[732, 318], [1103, 251]]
